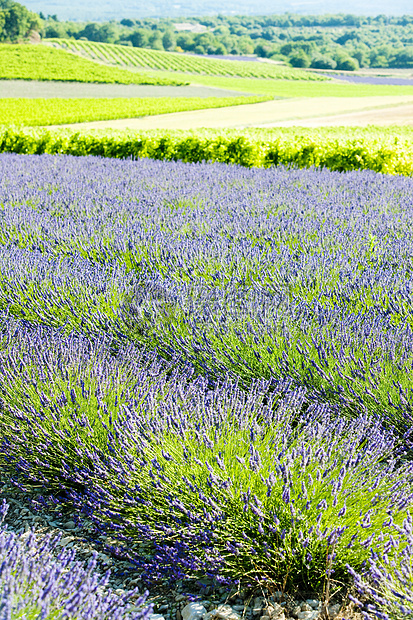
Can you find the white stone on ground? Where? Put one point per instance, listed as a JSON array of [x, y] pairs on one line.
[[193, 611]]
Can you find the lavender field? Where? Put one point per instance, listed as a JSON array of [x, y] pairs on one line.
[[213, 366]]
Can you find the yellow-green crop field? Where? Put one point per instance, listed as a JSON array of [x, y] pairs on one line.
[[184, 63], [41, 62], [61, 111]]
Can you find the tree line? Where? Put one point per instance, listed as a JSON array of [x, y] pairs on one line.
[[343, 42]]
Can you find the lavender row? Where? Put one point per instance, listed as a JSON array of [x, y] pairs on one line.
[[186, 479], [386, 587], [246, 273], [37, 580]]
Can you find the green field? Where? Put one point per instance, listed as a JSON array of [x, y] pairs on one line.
[[60, 111], [40, 62], [168, 61]]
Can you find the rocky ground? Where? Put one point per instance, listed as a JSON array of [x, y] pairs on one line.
[[184, 601]]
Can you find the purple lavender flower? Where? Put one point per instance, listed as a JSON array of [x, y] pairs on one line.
[[38, 581]]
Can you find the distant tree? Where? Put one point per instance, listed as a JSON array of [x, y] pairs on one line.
[[299, 59], [108, 33], [17, 21], [55, 30], [205, 39], [91, 32], [245, 45], [220, 50], [262, 50], [155, 40], [129, 23], [323, 62], [169, 40], [379, 61], [403, 58], [362, 57], [347, 64], [286, 49], [199, 49], [221, 31], [139, 38]]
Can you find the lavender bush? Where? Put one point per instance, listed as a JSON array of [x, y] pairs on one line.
[[211, 364], [267, 272], [387, 585], [39, 581], [188, 479]]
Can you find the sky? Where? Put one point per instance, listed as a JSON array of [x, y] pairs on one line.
[[103, 10]]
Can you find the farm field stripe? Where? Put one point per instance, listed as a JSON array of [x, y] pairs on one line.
[[290, 88], [164, 61], [61, 111], [390, 116], [253, 114], [40, 62], [17, 89]]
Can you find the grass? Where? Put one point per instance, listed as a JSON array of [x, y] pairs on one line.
[[39, 62], [168, 61], [60, 111]]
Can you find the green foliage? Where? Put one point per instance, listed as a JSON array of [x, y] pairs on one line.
[[338, 149], [59, 111], [347, 64], [323, 62], [299, 59], [403, 58], [160, 60], [40, 62], [371, 41], [16, 22]]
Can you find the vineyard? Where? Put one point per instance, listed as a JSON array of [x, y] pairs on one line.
[[61, 111], [168, 61], [39, 62], [386, 151]]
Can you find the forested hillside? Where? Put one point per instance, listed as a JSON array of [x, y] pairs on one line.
[[342, 42]]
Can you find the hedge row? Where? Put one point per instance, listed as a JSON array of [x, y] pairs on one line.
[[338, 152]]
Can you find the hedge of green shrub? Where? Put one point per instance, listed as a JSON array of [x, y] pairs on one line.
[[337, 150]]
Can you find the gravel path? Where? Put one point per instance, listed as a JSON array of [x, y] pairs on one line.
[[34, 89]]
